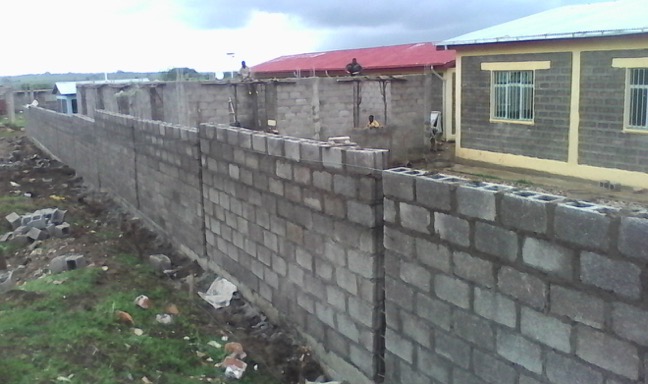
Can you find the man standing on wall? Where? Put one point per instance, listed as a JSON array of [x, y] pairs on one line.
[[244, 72]]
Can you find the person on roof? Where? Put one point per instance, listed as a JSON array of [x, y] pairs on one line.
[[354, 68]]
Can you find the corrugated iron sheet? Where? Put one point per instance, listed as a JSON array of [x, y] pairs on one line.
[[613, 18], [388, 57]]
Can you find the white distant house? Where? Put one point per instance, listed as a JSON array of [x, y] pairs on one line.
[[563, 91], [66, 92]]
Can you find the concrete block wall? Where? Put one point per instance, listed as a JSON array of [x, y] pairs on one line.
[[489, 284], [298, 225], [312, 108]]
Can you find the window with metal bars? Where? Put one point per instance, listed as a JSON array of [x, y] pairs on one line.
[[637, 99], [512, 95]]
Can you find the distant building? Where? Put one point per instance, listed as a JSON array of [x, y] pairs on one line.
[[66, 92], [562, 91], [387, 60]]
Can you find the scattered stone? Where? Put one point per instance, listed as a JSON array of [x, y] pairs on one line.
[[19, 240], [124, 317], [62, 230], [143, 301], [36, 234], [172, 309], [160, 262], [6, 281], [6, 237], [235, 350], [164, 318]]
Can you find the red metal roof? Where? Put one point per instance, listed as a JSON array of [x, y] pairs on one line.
[[389, 57]]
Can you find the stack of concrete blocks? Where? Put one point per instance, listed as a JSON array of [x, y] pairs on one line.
[[39, 225], [489, 284], [297, 225]]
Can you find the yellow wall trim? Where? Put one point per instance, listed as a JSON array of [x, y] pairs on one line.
[[630, 62], [516, 66], [629, 178], [574, 109]]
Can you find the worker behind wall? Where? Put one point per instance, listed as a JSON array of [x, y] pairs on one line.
[[434, 132]]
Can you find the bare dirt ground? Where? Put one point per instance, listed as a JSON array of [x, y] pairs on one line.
[[100, 230]]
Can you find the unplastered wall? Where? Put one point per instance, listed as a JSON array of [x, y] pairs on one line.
[[298, 225], [152, 167], [488, 284]]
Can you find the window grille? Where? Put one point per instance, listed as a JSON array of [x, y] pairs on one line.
[[637, 101], [512, 95]]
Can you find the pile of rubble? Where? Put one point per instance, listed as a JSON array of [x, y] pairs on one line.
[[39, 225]]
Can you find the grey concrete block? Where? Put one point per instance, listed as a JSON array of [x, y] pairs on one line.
[[548, 257], [473, 268], [275, 145], [284, 170], [292, 148], [363, 312], [416, 276], [496, 307], [578, 306], [562, 369], [452, 348], [620, 277], [492, 370], [361, 161], [311, 152], [414, 217], [364, 214], [37, 234], [630, 323], [633, 241], [474, 329], [302, 174], [399, 183], [363, 264], [435, 311], [346, 186], [14, 220], [67, 263], [336, 297], [433, 255], [516, 349], [496, 241], [452, 290], [259, 143], [390, 212], [323, 180], [332, 158], [416, 329], [433, 192], [399, 346], [347, 280], [545, 329], [521, 212], [607, 352], [527, 288], [476, 202], [452, 229], [432, 366], [581, 226], [399, 242]]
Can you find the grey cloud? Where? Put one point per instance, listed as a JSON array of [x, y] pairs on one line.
[[380, 22]]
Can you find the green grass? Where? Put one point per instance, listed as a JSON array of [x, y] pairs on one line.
[[18, 204], [64, 326], [18, 123]]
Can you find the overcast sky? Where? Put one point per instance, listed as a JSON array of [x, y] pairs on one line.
[[60, 36]]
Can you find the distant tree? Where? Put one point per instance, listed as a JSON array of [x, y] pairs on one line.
[[181, 73]]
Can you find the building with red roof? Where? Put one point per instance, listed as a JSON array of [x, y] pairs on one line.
[[387, 60]]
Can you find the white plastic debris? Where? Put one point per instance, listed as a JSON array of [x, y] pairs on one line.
[[219, 293], [138, 331], [142, 301]]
